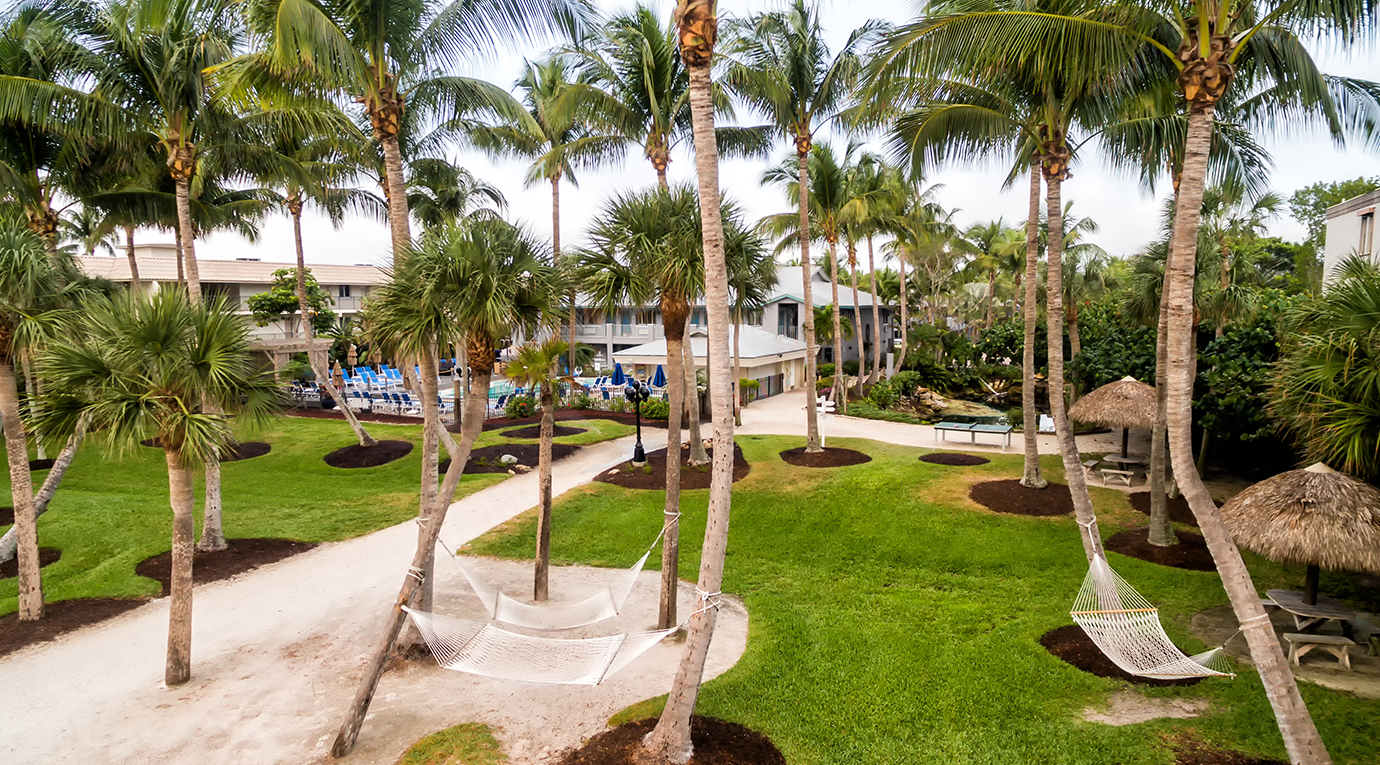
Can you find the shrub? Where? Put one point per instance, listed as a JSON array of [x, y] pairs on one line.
[[519, 407], [866, 410], [824, 370], [850, 368], [1015, 417], [823, 386], [581, 401], [882, 395], [618, 405], [905, 382], [656, 409]]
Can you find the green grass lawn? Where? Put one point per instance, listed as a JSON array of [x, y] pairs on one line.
[[893, 621], [112, 512]]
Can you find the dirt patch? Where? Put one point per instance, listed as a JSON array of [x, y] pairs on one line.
[[1191, 552], [1012, 498], [6, 516], [356, 456], [1189, 751], [954, 458], [246, 451], [46, 557], [832, 456], [1126, 707], [1178, 508], [40, 464], [58, 619], [1073, 645], [534, 431], [488, 459], [242, 555], [653, 475], [152, 443], [716, 742]]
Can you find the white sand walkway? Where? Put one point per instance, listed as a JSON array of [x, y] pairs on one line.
[[278, 652]]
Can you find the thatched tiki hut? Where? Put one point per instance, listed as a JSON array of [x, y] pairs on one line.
[[1315, 516], [1127, 403]]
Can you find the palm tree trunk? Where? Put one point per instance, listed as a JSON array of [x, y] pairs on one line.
[[1161, 531], [476, 401], [673, 326], [181, 271], [670, 740], [1075, 345], [991, 297], [1301, 739], [31, 387], [905, 311], [1054, 314], [135, 285], [428, 495], [807, 272], [22, 495], [698, 456], [857, 317], [9, 543], [876, 314], [179, 662], [1031, 477], [396, 186], [548, 432], [188, 235], [212, 514], [556, 249], [737, 369], [840, 394]]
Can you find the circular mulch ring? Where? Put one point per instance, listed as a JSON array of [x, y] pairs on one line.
[[954, 458], [152, 443], [632, 477], [6, 516], [534, 431], [716, 742], [1179, 511], [242, 555], [59, 618], [1192, 752], [832, 456], [46, 557], [488, 459], [356, 456], [246, 451], [1073, 645], [1012, 498], [40, 464], [1191, 552]]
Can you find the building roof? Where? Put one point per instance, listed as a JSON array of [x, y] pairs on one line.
[[755, 344], [164, 269], [791, 286], [1355, 204]]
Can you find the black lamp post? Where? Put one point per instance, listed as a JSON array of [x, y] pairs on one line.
[[637, 392]]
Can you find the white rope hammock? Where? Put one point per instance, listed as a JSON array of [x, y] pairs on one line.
[[1126, 627], [604, 604]]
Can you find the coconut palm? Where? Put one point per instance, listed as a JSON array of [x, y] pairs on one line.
[[538, 365], [88, 230], [780, 65], [751, 278], [160, 367], [871, 205], [440, 193], [1086, 273], [472, 283], [647, 249]]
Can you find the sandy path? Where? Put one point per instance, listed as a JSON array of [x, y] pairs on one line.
[[277, 654]]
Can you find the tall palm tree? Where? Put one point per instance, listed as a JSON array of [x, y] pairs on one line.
[[870, 206], [780, 65], [472, 283], [751, 278], [1086, 273], [647, 248], [160, 366], [669, 741], [440, 193], [394, 57], [88, 230], [538, 365]]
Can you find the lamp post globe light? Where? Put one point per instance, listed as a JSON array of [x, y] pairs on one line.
[[637, 392]]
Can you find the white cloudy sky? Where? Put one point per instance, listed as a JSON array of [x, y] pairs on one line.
[[1128, 217]]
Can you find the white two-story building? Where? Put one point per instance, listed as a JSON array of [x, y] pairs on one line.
[[1350, 230]]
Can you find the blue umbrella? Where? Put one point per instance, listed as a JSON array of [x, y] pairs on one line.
[[659, 379], [618, 379]]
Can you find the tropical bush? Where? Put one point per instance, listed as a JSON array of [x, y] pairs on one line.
[[824, 370], [881, 395], [519, 407], [868, 410], [1234, 373], [581, 401], [656, 409], [1113, 347], [850, 367], [618, 405], [1015, 417], [905, 382]]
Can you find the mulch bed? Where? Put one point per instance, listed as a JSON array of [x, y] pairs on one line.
[[40, 464], [6, 516], [631, 477], [356, 456], [59, 618], [1191, 552], [152, 443], [954, 458], [716, 742], [1073, 645], [496, 423], [1188, 751], [527, 455], [832, 456], [534, 431], [46, 556], [1178, 508], [242, 555], [246, 451], [1012, 498]]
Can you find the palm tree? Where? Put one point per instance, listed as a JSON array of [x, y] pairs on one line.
[[472, 283], [751, 278], [390, 58], [88, 230], [780, 65], [160, 366], [440, 193], [538, 365], [669, 741], [1086, 274], [646, 249], [868, 211], [824, 316], [986, 241]]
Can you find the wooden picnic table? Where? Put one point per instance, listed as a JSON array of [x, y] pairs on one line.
[[1124, 459], [1309, 617]]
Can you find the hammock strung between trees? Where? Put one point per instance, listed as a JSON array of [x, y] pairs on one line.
[[1126, 627], [604, 604]]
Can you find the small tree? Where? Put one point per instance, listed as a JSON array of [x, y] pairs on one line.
[[281, 302]]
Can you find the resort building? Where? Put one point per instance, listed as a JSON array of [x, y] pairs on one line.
[[775, 361], [1350, 230]]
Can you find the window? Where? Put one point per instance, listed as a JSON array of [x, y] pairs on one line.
[[344, 291], [1367, 233], [786, 320]]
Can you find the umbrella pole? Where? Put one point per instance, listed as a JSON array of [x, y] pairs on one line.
[[1310, 586], [1125, 438]]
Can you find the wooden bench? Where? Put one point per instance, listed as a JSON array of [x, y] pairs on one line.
[[1089, 466], [1365, 633], [1301, 643], [1125, 476]]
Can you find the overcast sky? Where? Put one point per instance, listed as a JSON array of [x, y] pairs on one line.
[[1128, 217]]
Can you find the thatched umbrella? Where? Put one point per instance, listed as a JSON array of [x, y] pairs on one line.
[[1314, 516], [1127, 403], [352, 358]]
